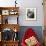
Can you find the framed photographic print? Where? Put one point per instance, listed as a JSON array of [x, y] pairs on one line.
[[30, 13], [5, 12]]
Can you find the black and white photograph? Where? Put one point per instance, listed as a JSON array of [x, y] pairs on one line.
[[30, 13]]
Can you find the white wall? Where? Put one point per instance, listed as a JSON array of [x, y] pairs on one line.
[[31, 4], [23, 4], [7, 3]]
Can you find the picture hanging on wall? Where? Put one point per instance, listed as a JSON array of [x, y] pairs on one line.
[[30, 13]]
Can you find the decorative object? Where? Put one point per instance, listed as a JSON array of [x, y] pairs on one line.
[[30, 13], [30, 38], [31, 41], [6, 21], [5, 12], [13, 12], [15, 37], [7, 34], [15, 30]]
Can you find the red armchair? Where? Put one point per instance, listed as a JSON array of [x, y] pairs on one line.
[[29, 36]]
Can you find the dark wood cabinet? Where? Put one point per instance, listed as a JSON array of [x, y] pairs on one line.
[[4, 26]]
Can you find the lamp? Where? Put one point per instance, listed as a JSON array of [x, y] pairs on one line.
[[15, 3]]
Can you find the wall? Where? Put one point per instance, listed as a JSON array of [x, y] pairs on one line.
[[31, 4], [23, 4]]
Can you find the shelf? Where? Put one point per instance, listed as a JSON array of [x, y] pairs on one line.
[[10, 26], [15, 14], [9, 10], [5, 8], [11, 41]]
